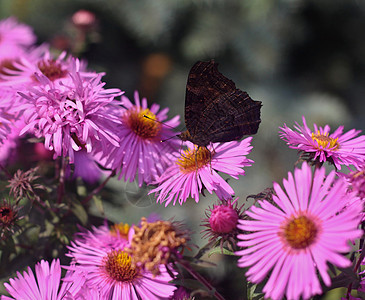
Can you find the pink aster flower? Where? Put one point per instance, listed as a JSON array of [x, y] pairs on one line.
[[141, 152], [309, 226], [114, 237], [46, 285], [338, 148], [196, 169], [9, 141], [85, 166], [79, 114], [5, 125], [13, 33], [111, 275], [40, 61], [357, 181]]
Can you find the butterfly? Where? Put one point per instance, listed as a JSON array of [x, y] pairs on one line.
[[215, 110]]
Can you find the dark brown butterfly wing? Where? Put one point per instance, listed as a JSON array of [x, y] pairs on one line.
[[204, 84], [215, 110]]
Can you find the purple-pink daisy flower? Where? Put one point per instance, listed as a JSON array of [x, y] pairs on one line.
[[13, 33], [73, 115], [111, 275], [338, 148], [85, 167], [41, 61], [309, 225], [196, 169], [145, 147], [113, 237], [45, 285]]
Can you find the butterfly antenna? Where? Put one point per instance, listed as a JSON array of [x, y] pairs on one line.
[[147, 117], [162, 141]]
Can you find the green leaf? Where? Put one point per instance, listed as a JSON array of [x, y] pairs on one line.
[[99, 204], [79, 212], [81, 190], [219, 250]]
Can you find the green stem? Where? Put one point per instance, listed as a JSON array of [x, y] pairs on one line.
[[98, 189], [201, 279]]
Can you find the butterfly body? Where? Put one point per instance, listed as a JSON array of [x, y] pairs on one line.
[[215, 110]]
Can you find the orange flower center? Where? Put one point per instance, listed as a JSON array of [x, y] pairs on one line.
[[299, 232], [192, 160], [143, 123], [118, 266], [120, 229], [324, 141]]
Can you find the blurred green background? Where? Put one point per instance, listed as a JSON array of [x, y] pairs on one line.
[[297, 57]]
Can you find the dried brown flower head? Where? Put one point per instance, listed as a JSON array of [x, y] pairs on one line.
[[156, 243], [8, 217], [22, 184]]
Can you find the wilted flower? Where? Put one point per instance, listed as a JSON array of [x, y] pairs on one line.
[[310, 226], [8, 217], [338, 148], [23, 184], [156, 243]]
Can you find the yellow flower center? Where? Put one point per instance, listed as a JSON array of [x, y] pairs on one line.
[[143, 123], [299, 232], [120, 229], [119, 267], [192, 159], [324, 141]]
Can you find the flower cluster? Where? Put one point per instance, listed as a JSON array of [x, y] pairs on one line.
[[291, 241], [101, 268]]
